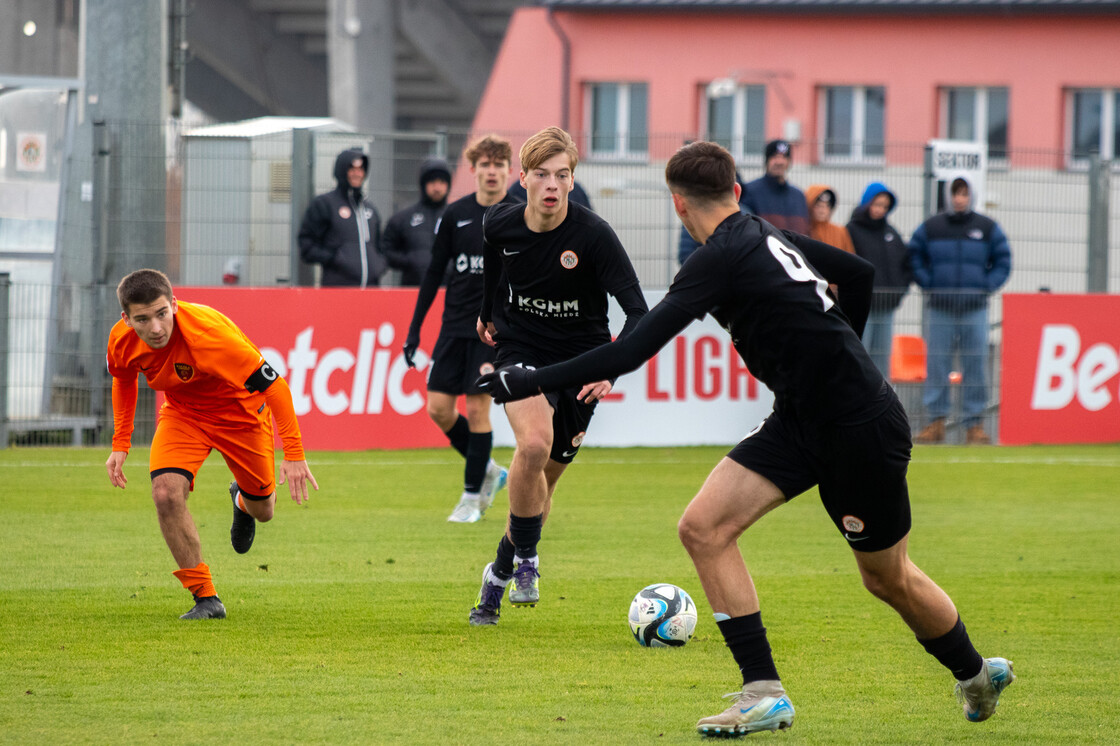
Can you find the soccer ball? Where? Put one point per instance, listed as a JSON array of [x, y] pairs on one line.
[[662, 615]]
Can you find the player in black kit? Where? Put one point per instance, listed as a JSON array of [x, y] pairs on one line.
[[551, 264], [458, 357], [836, 424]]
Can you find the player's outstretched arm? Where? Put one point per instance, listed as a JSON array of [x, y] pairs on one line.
[[115, 467], [606, 362], [298, 475]]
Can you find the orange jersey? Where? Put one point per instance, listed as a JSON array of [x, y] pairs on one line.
[[202, 371], [203, 368]]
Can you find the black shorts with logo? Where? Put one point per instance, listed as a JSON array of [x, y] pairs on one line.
[[570, 417], [860, 470], [457, 362]]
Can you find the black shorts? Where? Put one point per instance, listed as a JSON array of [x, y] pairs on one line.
[[457, 362], [860, 471], [570, 417]]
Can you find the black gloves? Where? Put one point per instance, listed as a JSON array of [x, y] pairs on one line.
[[510, 383], [411, 344]]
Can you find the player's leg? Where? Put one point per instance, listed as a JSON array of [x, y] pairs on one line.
[[480, 468], [731, 500], [178, 450], [249, 453], [522, 538], [481, 474], [891, 576], [169, 493], [531, 421], [445, 376], [571, 419], [441, 410], [864, 489]]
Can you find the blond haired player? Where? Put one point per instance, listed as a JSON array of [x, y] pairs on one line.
[[549, 265]]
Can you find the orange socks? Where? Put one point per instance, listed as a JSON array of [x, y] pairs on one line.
[[197, 580]]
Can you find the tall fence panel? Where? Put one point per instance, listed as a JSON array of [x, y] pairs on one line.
[[242, 201]]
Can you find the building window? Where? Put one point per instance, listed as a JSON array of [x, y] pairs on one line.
[[978, 115], [1094, 119], [735, 117], [618, 114], [853, 118]]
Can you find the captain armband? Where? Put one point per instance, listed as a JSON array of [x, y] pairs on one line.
[[261, 379]]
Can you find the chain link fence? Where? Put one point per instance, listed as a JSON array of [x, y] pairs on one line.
[[194, 202]]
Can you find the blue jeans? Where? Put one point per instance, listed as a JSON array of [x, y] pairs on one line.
[[877, 338], [966, 333]]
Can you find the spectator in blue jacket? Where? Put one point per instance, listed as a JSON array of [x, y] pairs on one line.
[[959, 258], [880, 243]]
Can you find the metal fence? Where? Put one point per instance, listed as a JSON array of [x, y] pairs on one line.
[[188, 202]]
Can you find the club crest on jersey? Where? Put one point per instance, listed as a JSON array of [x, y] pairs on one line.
[[569, 260], [184, 371], [486, 368], [853, 524], [344, 212], [578, 439]]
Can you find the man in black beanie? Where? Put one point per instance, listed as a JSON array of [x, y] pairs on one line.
[[772, 197], [408, 237]]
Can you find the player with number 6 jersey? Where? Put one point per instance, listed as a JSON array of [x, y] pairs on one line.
[[220, 394], [836, 424]]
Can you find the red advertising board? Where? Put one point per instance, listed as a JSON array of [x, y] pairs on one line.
[[1060, 367], [340, 351]]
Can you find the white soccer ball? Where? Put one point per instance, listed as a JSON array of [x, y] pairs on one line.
[[662, 615]]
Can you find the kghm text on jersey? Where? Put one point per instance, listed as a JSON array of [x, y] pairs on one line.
[[556, 309]]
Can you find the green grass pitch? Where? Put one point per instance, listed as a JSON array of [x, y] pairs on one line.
[[348, 619]]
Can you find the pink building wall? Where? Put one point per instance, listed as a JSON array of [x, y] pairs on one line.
[[1036, 56]]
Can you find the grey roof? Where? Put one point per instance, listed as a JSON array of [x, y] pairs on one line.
[[903, 6]]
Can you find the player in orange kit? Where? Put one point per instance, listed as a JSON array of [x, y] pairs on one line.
[[219, 394]]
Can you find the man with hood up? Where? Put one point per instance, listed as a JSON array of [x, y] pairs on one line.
[[959, 258], [407, 242], [880, 243], [341, 229]]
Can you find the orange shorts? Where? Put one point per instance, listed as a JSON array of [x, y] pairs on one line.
[[182, 443]]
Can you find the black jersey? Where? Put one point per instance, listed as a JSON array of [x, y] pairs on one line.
[[783, 320], [458, 242], [769, 289], [553, 294]]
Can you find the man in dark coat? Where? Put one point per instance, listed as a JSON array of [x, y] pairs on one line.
[[341, 229], [408, 237]]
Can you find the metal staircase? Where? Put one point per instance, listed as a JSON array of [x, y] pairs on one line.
[[269, 57]]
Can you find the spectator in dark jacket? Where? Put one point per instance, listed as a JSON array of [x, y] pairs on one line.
[[772, 197], [341, 229], [959, 258], [880, 243], [408, 237]]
